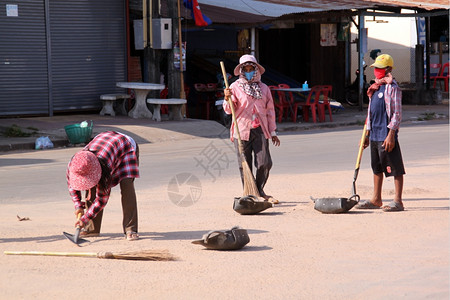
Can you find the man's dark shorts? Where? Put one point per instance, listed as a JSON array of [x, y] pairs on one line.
[[389, 163]]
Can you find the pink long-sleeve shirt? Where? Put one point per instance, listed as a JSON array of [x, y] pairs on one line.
[[244, 107]]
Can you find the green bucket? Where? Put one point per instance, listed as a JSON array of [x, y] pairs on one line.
[[79, 133]]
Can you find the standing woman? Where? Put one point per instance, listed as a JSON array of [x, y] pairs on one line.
[[255, 115], [111, 158]]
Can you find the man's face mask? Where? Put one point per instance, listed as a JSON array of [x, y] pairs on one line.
[[249, 75], [379, 73]]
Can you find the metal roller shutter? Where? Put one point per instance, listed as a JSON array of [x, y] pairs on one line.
[[23, 60], [88, 51], [61, 59]]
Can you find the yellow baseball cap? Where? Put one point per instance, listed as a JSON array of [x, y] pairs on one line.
[[383, 61]]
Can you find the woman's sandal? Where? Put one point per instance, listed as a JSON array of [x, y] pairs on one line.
[[84, 233], [132, 236], [271, 199]]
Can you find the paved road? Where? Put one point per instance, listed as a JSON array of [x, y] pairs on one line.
[[295, 252], [30, 175]]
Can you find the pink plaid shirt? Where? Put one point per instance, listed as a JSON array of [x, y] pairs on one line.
[[245, 106], [393, 100], [118, 151]]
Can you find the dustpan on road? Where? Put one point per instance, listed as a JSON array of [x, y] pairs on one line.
[[340, 205], [335, 205], [250, 205]]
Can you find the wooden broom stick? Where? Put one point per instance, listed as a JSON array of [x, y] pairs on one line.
[[358, 159], [250, 187], [154, 255]]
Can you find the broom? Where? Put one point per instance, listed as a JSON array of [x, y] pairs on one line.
[[249, 181], [153, 255]]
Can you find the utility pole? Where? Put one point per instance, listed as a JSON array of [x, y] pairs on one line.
[[173, 75], [152, 57]]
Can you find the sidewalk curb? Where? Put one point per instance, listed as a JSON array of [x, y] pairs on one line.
[[61, 142], [31, 145]]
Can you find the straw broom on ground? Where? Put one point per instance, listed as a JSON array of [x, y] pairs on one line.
[[153, 255], [250, 187]]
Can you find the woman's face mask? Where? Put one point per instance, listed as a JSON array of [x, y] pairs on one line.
[[379, 73], [249, 75]]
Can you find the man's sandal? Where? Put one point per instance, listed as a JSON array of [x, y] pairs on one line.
[[367, 205], [393, 206]]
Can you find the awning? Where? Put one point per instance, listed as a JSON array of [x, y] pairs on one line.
[[251, 12], [276, 8]]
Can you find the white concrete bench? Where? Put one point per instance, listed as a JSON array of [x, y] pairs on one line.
[[174, 108], [108, 104]]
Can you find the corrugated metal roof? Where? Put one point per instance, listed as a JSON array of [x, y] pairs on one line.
[[261, 11], [277, 8], [227, 15], [264, 8], [427, 4], [333, 5]]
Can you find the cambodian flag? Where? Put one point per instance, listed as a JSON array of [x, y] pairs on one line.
[[199, 18]]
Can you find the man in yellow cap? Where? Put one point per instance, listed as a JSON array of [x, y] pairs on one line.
[[383, 121]]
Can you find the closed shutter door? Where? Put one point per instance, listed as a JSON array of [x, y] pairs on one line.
[[23, 59], [88, 51]]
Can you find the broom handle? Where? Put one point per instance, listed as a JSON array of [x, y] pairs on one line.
[[358, 159], [40, 253], [153, 255], [361, 147], [225, 79]]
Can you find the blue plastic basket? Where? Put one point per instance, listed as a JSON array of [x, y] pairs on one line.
[[77, 134]]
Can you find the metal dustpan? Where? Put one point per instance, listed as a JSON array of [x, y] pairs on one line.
[[75, 238], [335, 205], [341, 205], [249, 205]]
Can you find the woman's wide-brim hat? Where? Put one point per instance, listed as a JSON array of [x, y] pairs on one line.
[[84, 171], [248, 58]]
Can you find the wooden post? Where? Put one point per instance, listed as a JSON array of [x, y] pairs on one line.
[[180, 41]]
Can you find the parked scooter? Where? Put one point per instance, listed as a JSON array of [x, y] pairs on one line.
[[352, 90]]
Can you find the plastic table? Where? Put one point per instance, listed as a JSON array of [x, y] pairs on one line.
[[141, 90]]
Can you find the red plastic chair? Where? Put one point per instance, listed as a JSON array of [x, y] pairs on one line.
[[280, 106], [187, 90], [206, 95], [324, 103], [273, 91], [286, 86], [212, 87], [437, 68], [312, 103], [443, 75], [289, 98], [200, 87], [163, 95]]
